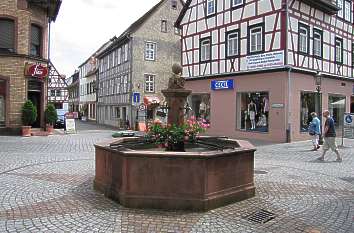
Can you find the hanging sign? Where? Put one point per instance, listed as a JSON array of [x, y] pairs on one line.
[[222, 84], [36, 70], [265, 60]]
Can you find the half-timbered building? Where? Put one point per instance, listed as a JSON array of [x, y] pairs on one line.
[[136, 67], [258, 68]]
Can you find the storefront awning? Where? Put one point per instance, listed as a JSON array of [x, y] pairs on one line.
[[151, 100]]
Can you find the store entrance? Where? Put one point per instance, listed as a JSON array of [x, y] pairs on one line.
[[34, 95], [352, 104]]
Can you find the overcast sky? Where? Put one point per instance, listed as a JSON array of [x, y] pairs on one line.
[[82, 26]]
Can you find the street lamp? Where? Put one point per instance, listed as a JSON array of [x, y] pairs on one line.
[[318, 83]]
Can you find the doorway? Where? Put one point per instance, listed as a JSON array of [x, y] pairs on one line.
[[352, 104], [35, 95]]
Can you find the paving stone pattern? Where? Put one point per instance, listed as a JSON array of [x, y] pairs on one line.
[[46, 186]]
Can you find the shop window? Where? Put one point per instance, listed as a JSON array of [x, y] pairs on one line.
[[7, 36], [336, 107], [308, 103], [253, 111], [200, 107]]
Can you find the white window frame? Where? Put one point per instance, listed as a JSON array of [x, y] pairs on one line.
[[256, 35], [210, 5], [119, 56], [340, 4], [303, 41], [149, 83], [205, 49], [348, 10], [338, 50], [233, 43], [150, 51], [164, 25], [317, 43], [235, 3], [126, 52]]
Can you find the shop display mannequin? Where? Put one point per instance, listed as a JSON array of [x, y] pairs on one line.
[[305, 112], [252, 111]]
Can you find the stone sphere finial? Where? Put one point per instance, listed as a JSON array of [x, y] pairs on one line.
[[176, 68]]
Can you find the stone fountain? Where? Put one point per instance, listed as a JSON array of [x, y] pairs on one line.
[[212, 172]]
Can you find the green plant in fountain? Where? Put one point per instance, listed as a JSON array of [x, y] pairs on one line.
[[29, 113], [173, 137]]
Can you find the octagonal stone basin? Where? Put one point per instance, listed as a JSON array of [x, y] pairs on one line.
[[199, 179]]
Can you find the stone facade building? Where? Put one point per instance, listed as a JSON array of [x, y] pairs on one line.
[[23, 57], [258, 68], [136, 67]]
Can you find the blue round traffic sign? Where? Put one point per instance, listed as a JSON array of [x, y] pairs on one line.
[[348, 119]]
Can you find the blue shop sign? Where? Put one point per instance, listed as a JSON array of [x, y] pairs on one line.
[[222, 84]]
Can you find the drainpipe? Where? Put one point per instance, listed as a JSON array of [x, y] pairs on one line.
[[289, 116]]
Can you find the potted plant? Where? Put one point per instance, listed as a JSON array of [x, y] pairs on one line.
[[51, 117], [29, 116]]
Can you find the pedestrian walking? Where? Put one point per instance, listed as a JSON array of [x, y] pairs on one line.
[[329, 137], [315, 131]]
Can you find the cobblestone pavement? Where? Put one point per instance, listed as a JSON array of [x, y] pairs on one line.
[[46, 186]]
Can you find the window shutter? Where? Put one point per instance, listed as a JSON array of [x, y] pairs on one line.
[[7, 35]]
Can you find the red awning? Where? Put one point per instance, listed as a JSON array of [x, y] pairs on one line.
[[150, 100]]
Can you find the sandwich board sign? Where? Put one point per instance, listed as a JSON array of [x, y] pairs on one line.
[[70, 127]]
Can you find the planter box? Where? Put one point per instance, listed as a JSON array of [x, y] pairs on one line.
[[175, 180]]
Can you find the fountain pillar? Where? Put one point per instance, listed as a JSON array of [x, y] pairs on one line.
[[176, 96]]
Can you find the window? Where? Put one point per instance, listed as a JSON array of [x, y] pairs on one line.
[[149, 83], [36, 38], [211, 7], [150, 51], [233, 42], [7, 36], [347, 10], [253, 111], [205, 49], [117, 112], [199, 107], [122, 54], [174, 4], [52, 92], [308, 104], [236, 3], [119, 56], [255, 39], [163, 26], [58, 93], [340, 6], [339, 50], [317, 43], [177, 31], [303, 39], [126, 52]]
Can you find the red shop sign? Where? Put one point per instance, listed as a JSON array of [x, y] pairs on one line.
[[36, 70]]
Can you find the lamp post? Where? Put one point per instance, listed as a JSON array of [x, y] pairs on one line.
[[318, 83]]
